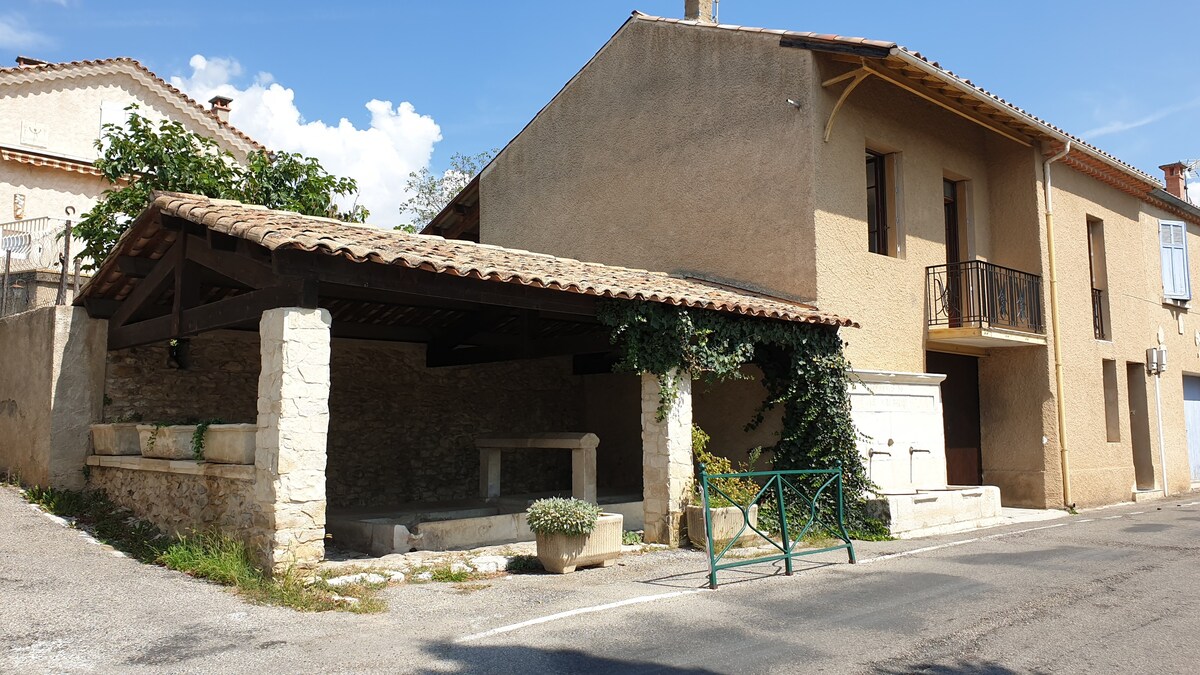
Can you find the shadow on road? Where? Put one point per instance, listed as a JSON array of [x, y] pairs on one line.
[[737, 575], [523, 659], [957, 667]]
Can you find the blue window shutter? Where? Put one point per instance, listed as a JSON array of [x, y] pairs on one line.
[[1173, 248]]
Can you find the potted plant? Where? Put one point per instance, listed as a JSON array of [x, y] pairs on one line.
[[727, 517], [119, 437], [166, 441], [227, 443], [573, 533]]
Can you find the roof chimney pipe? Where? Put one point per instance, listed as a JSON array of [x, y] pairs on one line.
[[1175, 173], [220, 106], [702, 11]]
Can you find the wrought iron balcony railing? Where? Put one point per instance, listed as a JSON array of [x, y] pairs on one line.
[[1098, 313], [978, 294]]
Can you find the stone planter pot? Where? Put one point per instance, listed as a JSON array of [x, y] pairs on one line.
[[169, 442], [562, 553], [230, 443], [116, 439], [726, 521]]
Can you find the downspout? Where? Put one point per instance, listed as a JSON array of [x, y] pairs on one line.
[[1064, 457]]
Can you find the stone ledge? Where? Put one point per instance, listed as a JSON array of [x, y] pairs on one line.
[[243, 472]]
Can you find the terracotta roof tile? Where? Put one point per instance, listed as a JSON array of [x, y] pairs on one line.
[[283, 230]]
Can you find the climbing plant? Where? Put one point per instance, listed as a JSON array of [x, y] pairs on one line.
[[804, 369]]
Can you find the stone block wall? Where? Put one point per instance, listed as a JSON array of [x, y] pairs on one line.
[[220, 381], [400, 432], [180, 503]]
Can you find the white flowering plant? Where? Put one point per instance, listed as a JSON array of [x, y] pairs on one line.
[[557, 515]]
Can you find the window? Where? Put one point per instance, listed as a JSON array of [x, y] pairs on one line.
[[1173, 248], [1099, 274], [1112, 408], [877, 204]]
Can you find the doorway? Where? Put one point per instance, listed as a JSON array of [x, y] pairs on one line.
[[1191, 417], [1139, 426], [960, 415]]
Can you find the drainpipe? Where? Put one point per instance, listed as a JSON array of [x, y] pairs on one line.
[[1162, 442], [1064, 458]]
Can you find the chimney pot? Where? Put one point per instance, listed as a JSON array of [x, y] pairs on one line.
[[699, 10], [1174, 174], [220, 106]]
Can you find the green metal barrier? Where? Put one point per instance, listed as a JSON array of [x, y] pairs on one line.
[[774, 488]]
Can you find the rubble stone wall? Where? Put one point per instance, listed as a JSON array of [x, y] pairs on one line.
[[180, 503]]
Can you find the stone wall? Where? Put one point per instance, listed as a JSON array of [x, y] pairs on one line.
[[179, 503], [219, 382], [51, 379], [400, 432]]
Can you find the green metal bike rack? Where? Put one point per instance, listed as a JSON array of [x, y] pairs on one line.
[[774, 484]]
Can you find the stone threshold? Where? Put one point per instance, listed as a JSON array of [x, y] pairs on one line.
[[187, 467]]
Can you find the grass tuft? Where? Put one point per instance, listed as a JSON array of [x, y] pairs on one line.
[[205, 555]]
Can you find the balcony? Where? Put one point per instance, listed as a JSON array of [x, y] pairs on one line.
[[976, 304]]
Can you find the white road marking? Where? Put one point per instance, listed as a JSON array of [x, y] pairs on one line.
[[1112, 517], [1085, 520], [927, 549], [576, 612], [1135, 513]]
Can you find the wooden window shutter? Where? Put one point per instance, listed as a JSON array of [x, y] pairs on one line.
[[1173, 249]]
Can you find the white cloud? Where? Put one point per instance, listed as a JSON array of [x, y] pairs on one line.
[[380, 156], [15, 33], [1117, 127]]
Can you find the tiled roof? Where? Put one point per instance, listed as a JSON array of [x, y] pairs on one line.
[[76, 68], [905, 54], [283, 230]]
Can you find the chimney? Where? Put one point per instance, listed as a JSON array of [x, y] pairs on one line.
[[220, 106], [26, 61], [1174, 174], [699, 10]]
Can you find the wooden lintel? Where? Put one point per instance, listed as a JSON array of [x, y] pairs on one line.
[[240, 268], [149, 289], [589, 343], [393, 278], [238, 310]]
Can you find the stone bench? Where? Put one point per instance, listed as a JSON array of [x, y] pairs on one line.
[[583, 459]]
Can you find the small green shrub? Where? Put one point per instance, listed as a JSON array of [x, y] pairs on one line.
[[631, 538], [449, 574], [557, 515], [740, 491], [523, 564], [212, 556]]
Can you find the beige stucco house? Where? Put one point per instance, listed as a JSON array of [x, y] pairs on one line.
[[970, 238], [51, 116]]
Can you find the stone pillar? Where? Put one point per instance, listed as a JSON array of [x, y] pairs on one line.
[[667, 473], [293, 421]]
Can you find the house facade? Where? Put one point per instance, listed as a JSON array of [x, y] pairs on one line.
[[969, 238], [51, 116]]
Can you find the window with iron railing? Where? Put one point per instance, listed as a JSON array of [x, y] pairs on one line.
[[1098, 314]]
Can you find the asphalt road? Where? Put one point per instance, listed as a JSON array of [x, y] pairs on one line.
[[1109, 591]]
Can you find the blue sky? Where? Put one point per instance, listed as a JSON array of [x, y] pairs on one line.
[[1124, 76]]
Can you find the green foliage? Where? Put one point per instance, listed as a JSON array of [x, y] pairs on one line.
[[144, 156], [558, 515], [631, 538], [108, 523], [524, 564], [198, 438], [449, 574], [431, 194], [722, 491], [212, 556], [804, 371]]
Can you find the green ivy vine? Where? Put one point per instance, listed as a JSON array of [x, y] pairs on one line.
[[805, 373]]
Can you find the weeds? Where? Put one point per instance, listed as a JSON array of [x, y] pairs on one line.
[[212, 556], [631, 538]]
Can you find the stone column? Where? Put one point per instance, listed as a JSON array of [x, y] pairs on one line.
[[293, 421], [667, 473]]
